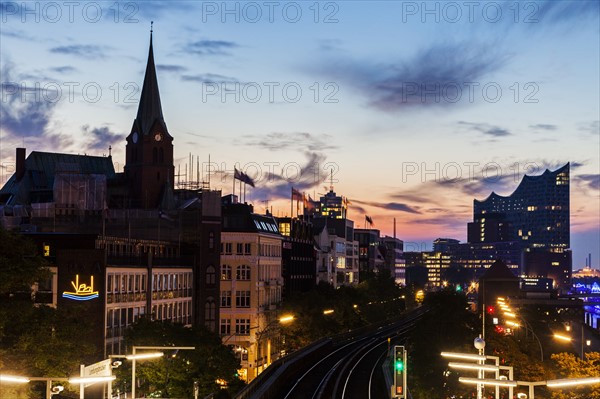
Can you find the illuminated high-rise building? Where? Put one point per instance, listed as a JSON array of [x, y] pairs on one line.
[[536, 214]]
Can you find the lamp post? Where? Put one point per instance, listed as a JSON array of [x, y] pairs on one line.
[[567, 338], [50, 390]]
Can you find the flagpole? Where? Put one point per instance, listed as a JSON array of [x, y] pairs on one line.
[[292, 204], [233, 182]]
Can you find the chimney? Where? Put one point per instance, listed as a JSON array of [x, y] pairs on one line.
[[20, 169]]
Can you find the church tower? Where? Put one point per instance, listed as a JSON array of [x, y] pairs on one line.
[[149, 151]]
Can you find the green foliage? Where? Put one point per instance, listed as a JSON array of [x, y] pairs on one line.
[[375, 299], [35, 341], [173, 375], [570, 366], [19, 265]]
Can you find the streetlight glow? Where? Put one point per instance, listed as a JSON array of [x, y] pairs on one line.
[[469, 366], [286, 319], [509, 314], [513, 324], [141, 356], [13, 378], [562, 337], [328, 311], [484, 381], [467, 356], [572, 381]]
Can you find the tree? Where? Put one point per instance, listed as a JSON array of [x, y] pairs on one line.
[[20, 266], [570, 366], [38, 341], [173, 375]]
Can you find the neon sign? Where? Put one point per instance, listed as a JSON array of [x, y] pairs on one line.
[[83, 292]]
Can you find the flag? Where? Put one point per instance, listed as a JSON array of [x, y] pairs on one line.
[[369, 220], [244, 178], [237, 174], [296, 195], [309, 204]]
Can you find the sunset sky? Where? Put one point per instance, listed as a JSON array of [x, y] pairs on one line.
[[417, 107]]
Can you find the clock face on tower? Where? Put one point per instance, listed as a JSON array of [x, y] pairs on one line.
[[134, 137], [158, 137]]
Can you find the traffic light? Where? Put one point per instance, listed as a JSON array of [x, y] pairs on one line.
[[400, 372]]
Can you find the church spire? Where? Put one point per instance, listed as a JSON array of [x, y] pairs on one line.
[[149, 109]]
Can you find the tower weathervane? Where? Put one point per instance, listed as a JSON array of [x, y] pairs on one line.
[[151, 26]]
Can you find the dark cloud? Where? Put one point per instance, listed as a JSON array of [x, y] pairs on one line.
[[551, 11], [278, 185], [100, 138], [440, 75], [592, 127], [64, 69], [209, 78], [17, 34], [277, 141], [210, 47], [25, 110], [486, 129], [81, 50], [543, 126], [591, 181], [390, 206], [171, 68]]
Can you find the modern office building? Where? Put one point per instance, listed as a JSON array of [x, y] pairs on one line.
[[251, 287], [536, 215]]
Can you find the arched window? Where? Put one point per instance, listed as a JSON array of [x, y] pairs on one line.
[[161, 155], [210, 309], [225, 272], [242, 272], [154, 155], [210, 275]]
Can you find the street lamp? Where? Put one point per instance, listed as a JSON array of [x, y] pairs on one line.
[[562, 337], [50, 390], [13, 378], [286, 319], [487, 381], [569, 382]]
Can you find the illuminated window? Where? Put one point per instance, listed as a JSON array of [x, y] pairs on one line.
[[46, 250], [225, 272]]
